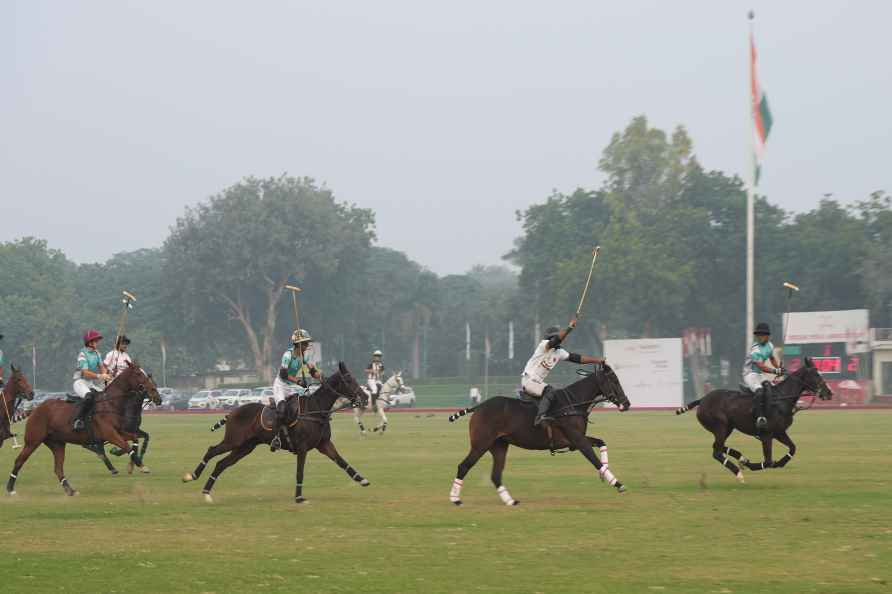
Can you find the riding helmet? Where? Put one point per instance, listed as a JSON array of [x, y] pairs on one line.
[[762, 328]]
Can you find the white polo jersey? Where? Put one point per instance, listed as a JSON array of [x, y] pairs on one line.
[[543, 361], [117, 362]]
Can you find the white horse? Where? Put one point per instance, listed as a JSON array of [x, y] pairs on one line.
[[391, 386]]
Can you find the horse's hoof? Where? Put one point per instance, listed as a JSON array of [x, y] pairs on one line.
[[300, 499], [365, 482], [208, 498], [114, 472], [11, 493], [621, 489], [740, 478], [515, 503], [188, 477], [145, 470], [456, 502]]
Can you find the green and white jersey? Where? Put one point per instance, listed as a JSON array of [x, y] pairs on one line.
[[88, 359], [295, 364], [758, 352]]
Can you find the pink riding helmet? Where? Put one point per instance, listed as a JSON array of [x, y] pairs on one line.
[[91, 335]]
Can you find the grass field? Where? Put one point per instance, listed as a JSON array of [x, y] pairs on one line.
[[823, 524]]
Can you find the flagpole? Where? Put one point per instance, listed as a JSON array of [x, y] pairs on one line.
[[750, 208]]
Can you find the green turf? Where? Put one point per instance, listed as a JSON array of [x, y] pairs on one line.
[[823, 524]]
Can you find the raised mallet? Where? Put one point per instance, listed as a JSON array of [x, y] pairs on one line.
[[588, 281]]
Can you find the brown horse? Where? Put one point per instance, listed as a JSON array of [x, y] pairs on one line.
[[500, 422], [15, 390], [115, 420], [308, 427], [722, 411]]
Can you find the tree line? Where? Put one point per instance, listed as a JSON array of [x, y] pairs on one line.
[[672, 237]]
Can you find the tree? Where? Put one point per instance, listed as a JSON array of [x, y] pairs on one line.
[[235, 253]]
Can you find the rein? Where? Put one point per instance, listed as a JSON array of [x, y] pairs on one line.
[[323, 415]]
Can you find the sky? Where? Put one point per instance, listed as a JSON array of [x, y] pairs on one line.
[[444, 118]]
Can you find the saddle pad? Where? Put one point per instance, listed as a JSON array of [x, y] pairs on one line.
[[71, 398], [267, 417]]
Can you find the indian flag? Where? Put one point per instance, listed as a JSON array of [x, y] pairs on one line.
[[761, 114]]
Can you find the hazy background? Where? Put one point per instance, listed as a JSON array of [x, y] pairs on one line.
[[444, 119]]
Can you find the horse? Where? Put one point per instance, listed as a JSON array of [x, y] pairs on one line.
[[500, 422], [393, 385], [115, 419], [307, 427], [14, 391], [722, 411]]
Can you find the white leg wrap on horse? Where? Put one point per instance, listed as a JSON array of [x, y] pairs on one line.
[[505, 495], [607, 475], [455, 492], [603, 451]]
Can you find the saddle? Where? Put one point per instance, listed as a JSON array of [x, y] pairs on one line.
[[267, 418]]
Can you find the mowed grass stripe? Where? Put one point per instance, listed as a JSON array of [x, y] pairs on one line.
[[823, 524]]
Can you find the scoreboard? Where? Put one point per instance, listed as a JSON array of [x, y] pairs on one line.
[[830, 359]]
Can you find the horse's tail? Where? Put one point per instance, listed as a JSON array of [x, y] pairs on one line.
[[687, 407], [21, 416], [465, 411], [220, 423]]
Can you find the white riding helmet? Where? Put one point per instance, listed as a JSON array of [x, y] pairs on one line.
[[377, 353], [301, 336]]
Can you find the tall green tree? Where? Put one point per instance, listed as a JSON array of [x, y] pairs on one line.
[[235, 253]]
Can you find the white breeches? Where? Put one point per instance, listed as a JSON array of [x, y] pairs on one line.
[[753, 380], [532, 385], [83, 386], [282, 389], [373, 385]]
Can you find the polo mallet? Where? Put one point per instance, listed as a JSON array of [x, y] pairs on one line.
[[127, 299], [790, 289], [294, 291], [15, 441], [588, 281]]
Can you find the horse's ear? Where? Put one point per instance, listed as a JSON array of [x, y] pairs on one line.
[[342, 368], [14, 368], [809, 362]]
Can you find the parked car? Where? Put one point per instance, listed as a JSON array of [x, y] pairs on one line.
[[232, 397], [41, 397], [404, 397], [173, 399], [205, 399]]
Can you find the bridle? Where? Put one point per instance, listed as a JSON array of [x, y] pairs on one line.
[[803, 386], [19, 393], [610, 394]]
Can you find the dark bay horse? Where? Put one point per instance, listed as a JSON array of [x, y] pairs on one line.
[[722, 411], [14, 391], [115, 420], [500, 422], [308, 427]]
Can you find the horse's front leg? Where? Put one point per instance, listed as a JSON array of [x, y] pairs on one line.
[[581, 442], [328, 448], [791, 447], [299, 478], [357, 416], [602, 449]]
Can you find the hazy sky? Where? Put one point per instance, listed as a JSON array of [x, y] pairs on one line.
[[443, 117]]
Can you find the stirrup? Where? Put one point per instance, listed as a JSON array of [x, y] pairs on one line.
[[275, 444], [541, 419], [78, 425], [761, 422]]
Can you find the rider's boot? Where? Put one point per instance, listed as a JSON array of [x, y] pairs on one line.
[[82, 410], [544, 405], [276, 442], [759, 406]]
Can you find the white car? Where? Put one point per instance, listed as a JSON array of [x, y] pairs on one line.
[[232, 397], [206, 399], [256, 396], [404, 397]]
